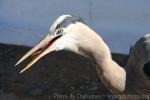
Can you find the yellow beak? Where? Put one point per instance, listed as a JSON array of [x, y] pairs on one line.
[[46, 46]]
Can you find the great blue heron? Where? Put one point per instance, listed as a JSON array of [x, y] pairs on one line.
[[71, 33]]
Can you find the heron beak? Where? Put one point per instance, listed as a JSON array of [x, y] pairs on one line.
[[44, 47]]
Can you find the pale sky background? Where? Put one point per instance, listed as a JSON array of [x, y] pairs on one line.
[[119, 22]]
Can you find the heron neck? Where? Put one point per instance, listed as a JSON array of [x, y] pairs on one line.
[[111, 74]]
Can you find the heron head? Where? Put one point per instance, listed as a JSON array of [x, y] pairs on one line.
[[58, 38]]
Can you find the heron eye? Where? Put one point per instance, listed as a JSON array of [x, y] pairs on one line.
[[60, 30]]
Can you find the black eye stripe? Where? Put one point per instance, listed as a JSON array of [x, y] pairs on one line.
[[68, 21], [65, 22], [58, 26]]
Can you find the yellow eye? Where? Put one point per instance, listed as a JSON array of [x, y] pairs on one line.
[[60, 30]]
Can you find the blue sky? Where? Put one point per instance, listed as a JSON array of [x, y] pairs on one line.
[[119, 22]]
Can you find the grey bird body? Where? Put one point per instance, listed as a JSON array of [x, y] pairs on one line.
[[138, 80]]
